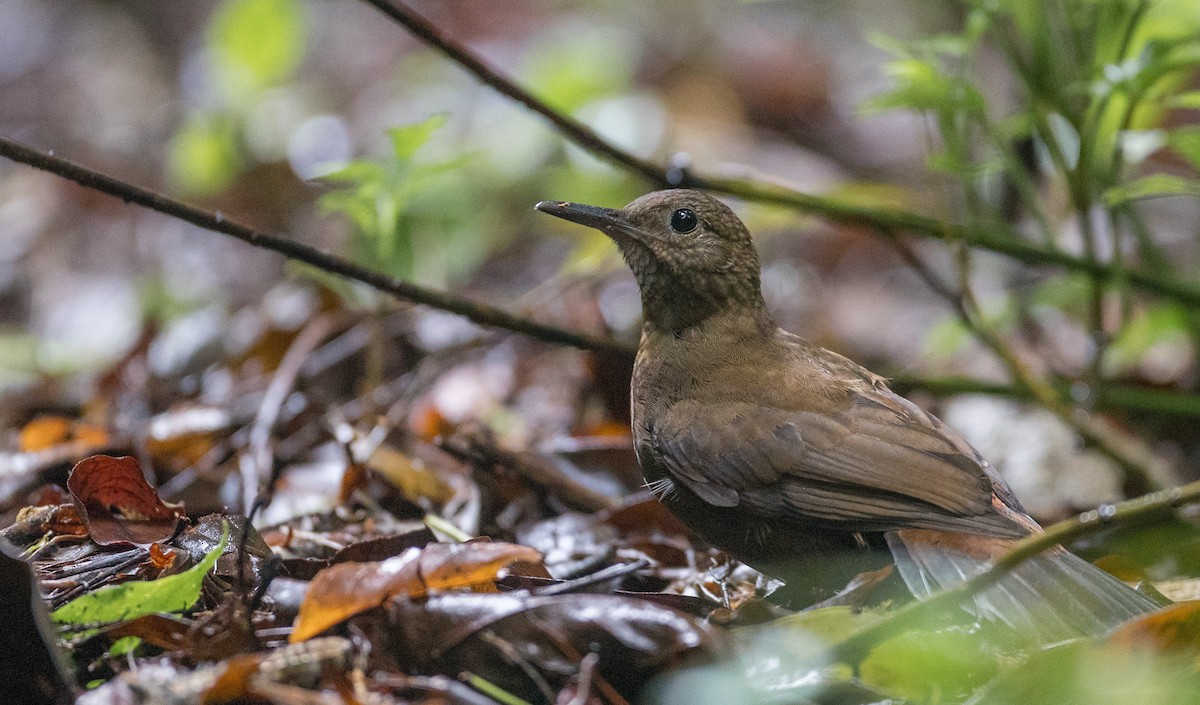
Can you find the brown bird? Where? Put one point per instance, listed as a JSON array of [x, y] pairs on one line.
[[802, 463]]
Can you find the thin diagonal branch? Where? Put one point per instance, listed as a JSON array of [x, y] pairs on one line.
[[1117, 396], [472, 310], [1109, 515], [995, 237]]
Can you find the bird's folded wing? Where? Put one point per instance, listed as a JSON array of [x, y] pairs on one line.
[[876, 463]]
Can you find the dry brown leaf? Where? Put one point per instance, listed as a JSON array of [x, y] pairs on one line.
[[183, 435], [409, 476], [346, 589], [43, 432], [117, 504], [48, 431]]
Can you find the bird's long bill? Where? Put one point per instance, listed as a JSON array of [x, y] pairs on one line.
[[607, 220]]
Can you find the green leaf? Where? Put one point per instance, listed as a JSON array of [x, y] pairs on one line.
[[1153, 186], [931, 666], [1165, 549], [1186, 141], [123, 646], [173, 593], [255, 44], [382, 199], [1187, 101], [580, 65], [1069, 293], [922, 85], [407, 139], [1162, 323], [1080, 672]]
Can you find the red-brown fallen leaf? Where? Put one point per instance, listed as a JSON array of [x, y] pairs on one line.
[[117, 504], [65, 521], [166, 631], [427, 423], [234, 682], [355, 478], [50, 496], [346, 589], [1174, 629]]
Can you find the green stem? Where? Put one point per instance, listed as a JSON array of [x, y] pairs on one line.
[[1125, 398]]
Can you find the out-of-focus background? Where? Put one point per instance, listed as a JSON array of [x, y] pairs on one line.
[[326, 122]]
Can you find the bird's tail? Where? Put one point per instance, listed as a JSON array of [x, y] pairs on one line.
[[1054, 596]]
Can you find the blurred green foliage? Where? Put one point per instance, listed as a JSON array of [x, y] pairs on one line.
[[1088, 674], [411, 218], [565, 68], [251, 46], [1094, 86], [255, 44]]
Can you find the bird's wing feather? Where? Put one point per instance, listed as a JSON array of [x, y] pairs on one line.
[[877, 462]]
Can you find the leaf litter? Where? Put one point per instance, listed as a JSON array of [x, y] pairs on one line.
[[418, 541]]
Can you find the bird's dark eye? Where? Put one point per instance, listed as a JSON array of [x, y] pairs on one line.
[[684, 220]]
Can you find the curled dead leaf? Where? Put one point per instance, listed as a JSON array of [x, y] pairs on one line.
[[117, 504]]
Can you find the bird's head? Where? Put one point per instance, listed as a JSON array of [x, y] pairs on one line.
[[691, 255]]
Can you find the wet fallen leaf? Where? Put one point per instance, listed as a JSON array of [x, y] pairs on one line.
[[165, 631], [346, 589], [524, 643], [379, 548], [245, 675], [117, 504]]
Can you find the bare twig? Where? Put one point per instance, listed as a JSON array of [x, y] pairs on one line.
[[257, 463], [1090, 522], [216, 222]]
